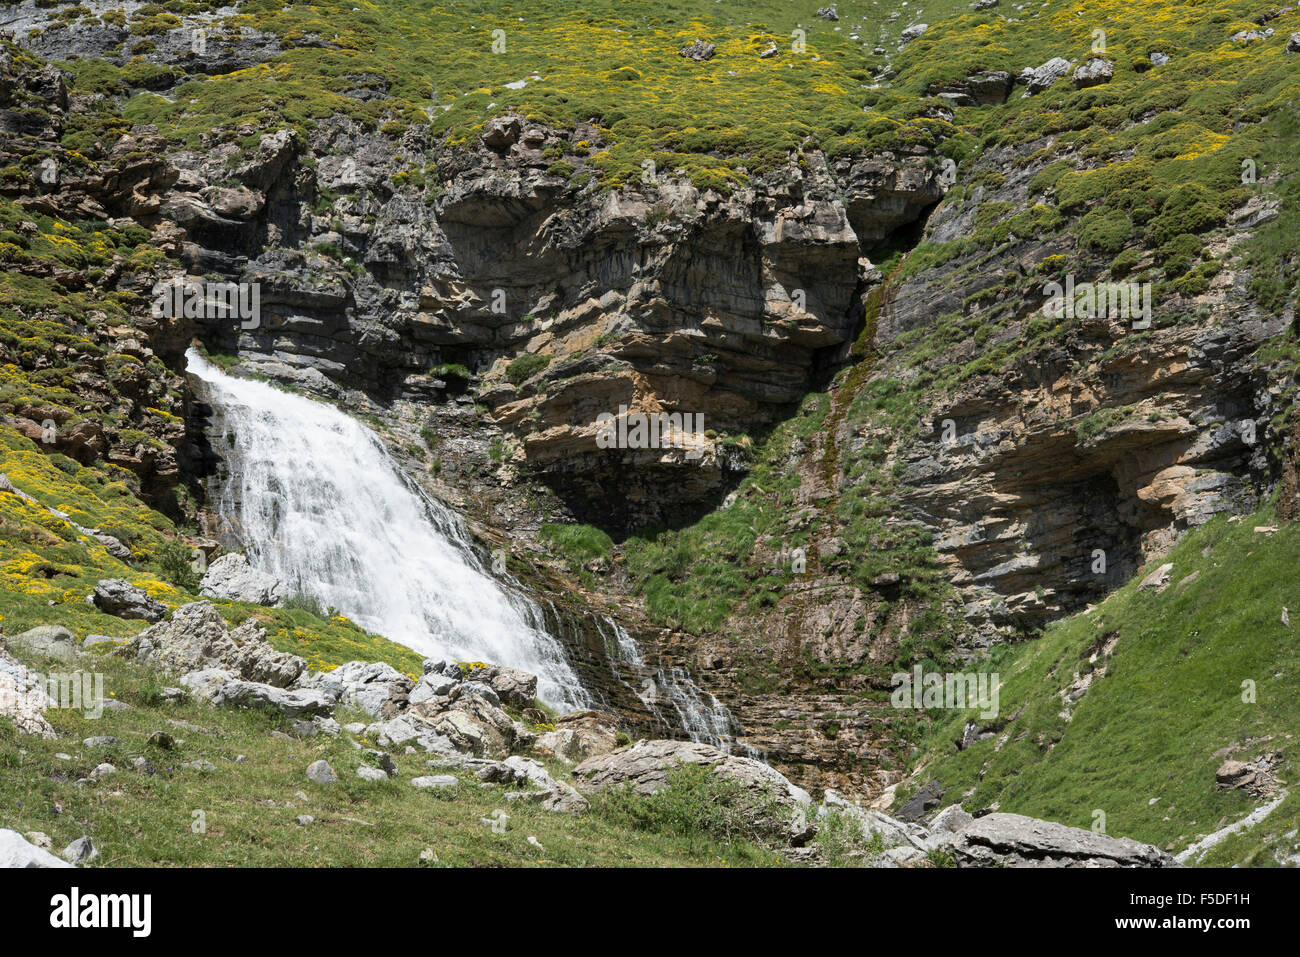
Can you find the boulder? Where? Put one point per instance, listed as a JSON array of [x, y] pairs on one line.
[[80, 851], [435, 781], [502, 132], [232, 578], [46, 641], [874, 824], [221, 688], [16, 851], [1293, 43], [114, 596], [644, 766], [1093, 73], [828, 13], [554, 795], [321, 773], [1039, 78], [196, 637], [699, 51], [376, 688], [914, 31], [470, 718], [24, 698], [1013, 840], [514, 687], [578, 736]]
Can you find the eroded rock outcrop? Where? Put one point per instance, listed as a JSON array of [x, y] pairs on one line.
[[197, 637]]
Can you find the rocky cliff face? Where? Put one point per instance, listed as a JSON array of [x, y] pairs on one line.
[[484, 305]]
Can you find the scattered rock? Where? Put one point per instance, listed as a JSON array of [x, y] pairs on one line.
[[645, 767], [321, 773], [93, 640], [304, 819], [1158, 579], [912, 32], [1293, 43], [374, 687], [502, 132], [578, 736], [102, 771], [1256, 775], [100, 741], [435, 781], [1039, 78], [80, 851], [367, 773], [1093, 73], [200, 765], [828, 13], [699, 51]]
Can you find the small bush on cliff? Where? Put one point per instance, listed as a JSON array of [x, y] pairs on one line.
[[525, 367]]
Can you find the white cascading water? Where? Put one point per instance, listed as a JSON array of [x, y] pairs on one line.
[[323, 507], [699, 713]]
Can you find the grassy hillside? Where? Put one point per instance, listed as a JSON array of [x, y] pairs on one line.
[[1164, 709]]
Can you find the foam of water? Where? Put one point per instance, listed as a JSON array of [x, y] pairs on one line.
[[321, 505]]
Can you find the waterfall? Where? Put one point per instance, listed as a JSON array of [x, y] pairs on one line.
[[697, 712], [317, 501]]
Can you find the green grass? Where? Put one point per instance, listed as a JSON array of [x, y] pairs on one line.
[[248, 809], [1170, 699]]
